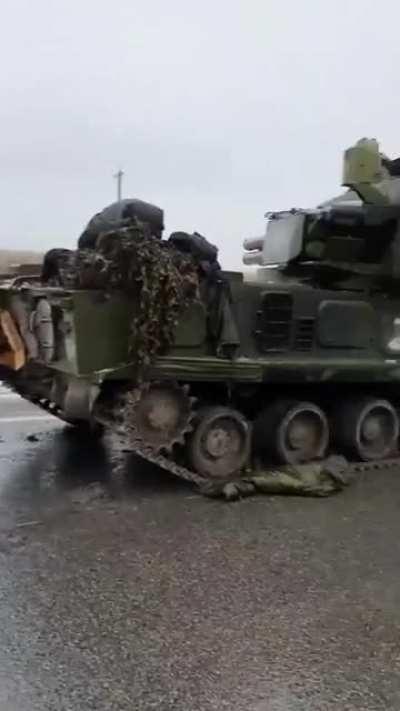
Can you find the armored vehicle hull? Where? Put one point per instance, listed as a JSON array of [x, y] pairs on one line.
[[314, 371], [205, 373]]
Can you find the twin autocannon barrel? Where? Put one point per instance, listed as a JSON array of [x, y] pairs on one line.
[[286, 231]]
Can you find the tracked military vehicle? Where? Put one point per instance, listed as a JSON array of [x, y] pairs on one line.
[[201, 371]]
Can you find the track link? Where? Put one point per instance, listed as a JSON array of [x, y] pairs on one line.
[[44, 403], [129, 441], [141, 450], [182, 472], [131, 444]]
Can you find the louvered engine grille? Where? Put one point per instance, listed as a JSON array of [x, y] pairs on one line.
[[277, 331], [274, 322], [303, 334]]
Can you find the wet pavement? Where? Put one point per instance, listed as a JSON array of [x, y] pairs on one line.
[[124, 589]]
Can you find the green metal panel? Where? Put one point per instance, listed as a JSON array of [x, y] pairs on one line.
[[98, 331], [4, 297], [101, 330], [191, 329]]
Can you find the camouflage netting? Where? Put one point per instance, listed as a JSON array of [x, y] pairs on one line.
[[161, 280], [323, 478]]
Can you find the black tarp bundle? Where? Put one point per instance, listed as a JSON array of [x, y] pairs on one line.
[[161, 280]]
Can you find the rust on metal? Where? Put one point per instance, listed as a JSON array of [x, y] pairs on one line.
[[12, 351]]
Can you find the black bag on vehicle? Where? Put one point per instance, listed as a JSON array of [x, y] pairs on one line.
[[196, 245]]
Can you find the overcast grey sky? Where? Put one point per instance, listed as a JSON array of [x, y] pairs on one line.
[[217, 110]]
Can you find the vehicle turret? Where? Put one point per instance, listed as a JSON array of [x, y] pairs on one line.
[[357, 231]]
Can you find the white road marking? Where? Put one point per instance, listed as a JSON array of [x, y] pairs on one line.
[[7, 393], [27, 418]]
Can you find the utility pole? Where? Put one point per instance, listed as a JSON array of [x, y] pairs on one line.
[[118, 176]]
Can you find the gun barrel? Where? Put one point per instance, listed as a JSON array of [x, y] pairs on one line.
[[251, 243], [253, 258]]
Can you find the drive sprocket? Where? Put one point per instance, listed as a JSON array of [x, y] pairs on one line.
[[158, 415]]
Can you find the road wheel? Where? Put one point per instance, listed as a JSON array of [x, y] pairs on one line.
[[219, 446], [291, 432], [366, 428]]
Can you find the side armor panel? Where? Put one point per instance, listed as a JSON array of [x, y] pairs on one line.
[[346, 324]]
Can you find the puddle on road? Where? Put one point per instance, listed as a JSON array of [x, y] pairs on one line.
[[60, 470]]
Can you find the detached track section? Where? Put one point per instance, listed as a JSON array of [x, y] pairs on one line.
[[127, 442], [43, 403], [130, 442]]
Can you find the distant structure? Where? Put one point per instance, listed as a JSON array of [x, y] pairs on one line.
[[118, 176]]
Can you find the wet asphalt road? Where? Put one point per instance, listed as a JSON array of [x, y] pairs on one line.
[[126, 590]]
